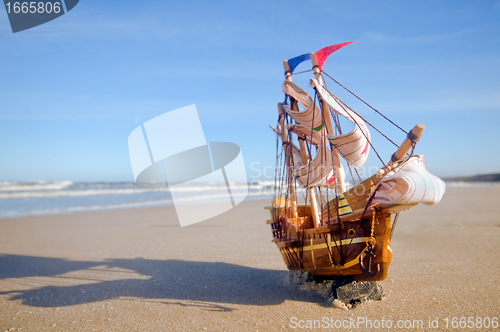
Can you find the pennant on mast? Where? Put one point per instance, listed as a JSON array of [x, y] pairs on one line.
[[294, 62], [325, 52]]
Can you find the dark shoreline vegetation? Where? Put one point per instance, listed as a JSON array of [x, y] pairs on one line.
[[476, 178]]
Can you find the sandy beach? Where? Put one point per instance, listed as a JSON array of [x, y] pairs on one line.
[[137, 270]]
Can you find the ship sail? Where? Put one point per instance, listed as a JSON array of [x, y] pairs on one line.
[[318, 172], [355, 145], [410, 183], [311, 115]]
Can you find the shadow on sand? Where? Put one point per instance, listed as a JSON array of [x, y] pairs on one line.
[[168, 281]]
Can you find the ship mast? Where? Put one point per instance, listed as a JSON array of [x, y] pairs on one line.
[[328, 126], [303, 154], [288, 151]]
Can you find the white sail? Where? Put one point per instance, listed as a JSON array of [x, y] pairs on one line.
[[410, 183], [353, 146], [311, 115], [319, 171], [296, 156]]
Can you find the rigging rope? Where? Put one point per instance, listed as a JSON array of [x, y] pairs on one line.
[[301, 72], [365, 103], [378, 131], [342, 104]]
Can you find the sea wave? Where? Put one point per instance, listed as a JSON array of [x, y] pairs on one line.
[[34, 208], [76, 209], [12, 190], [20, 199], [34, 186]]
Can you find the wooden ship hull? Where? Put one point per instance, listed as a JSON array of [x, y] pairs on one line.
[[340, 247]]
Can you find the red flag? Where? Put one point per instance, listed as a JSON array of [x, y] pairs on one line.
[[324, 53]]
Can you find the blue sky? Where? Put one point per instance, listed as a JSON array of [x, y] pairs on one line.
[[73, 89]]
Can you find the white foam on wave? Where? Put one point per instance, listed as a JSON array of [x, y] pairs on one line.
[[197, 200], [32, 186], [14, 190], [45, 198], [73, 193], [77, 209]]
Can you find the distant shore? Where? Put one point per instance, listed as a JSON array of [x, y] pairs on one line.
[[475, 178]]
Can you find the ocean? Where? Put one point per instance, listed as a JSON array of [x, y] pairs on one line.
[[22, 199]]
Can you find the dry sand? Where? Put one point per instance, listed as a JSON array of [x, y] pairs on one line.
[[137, 270]]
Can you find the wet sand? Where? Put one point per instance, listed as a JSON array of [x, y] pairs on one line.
[[137, 270]]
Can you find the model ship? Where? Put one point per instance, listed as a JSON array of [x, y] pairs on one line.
[[318, 226]]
